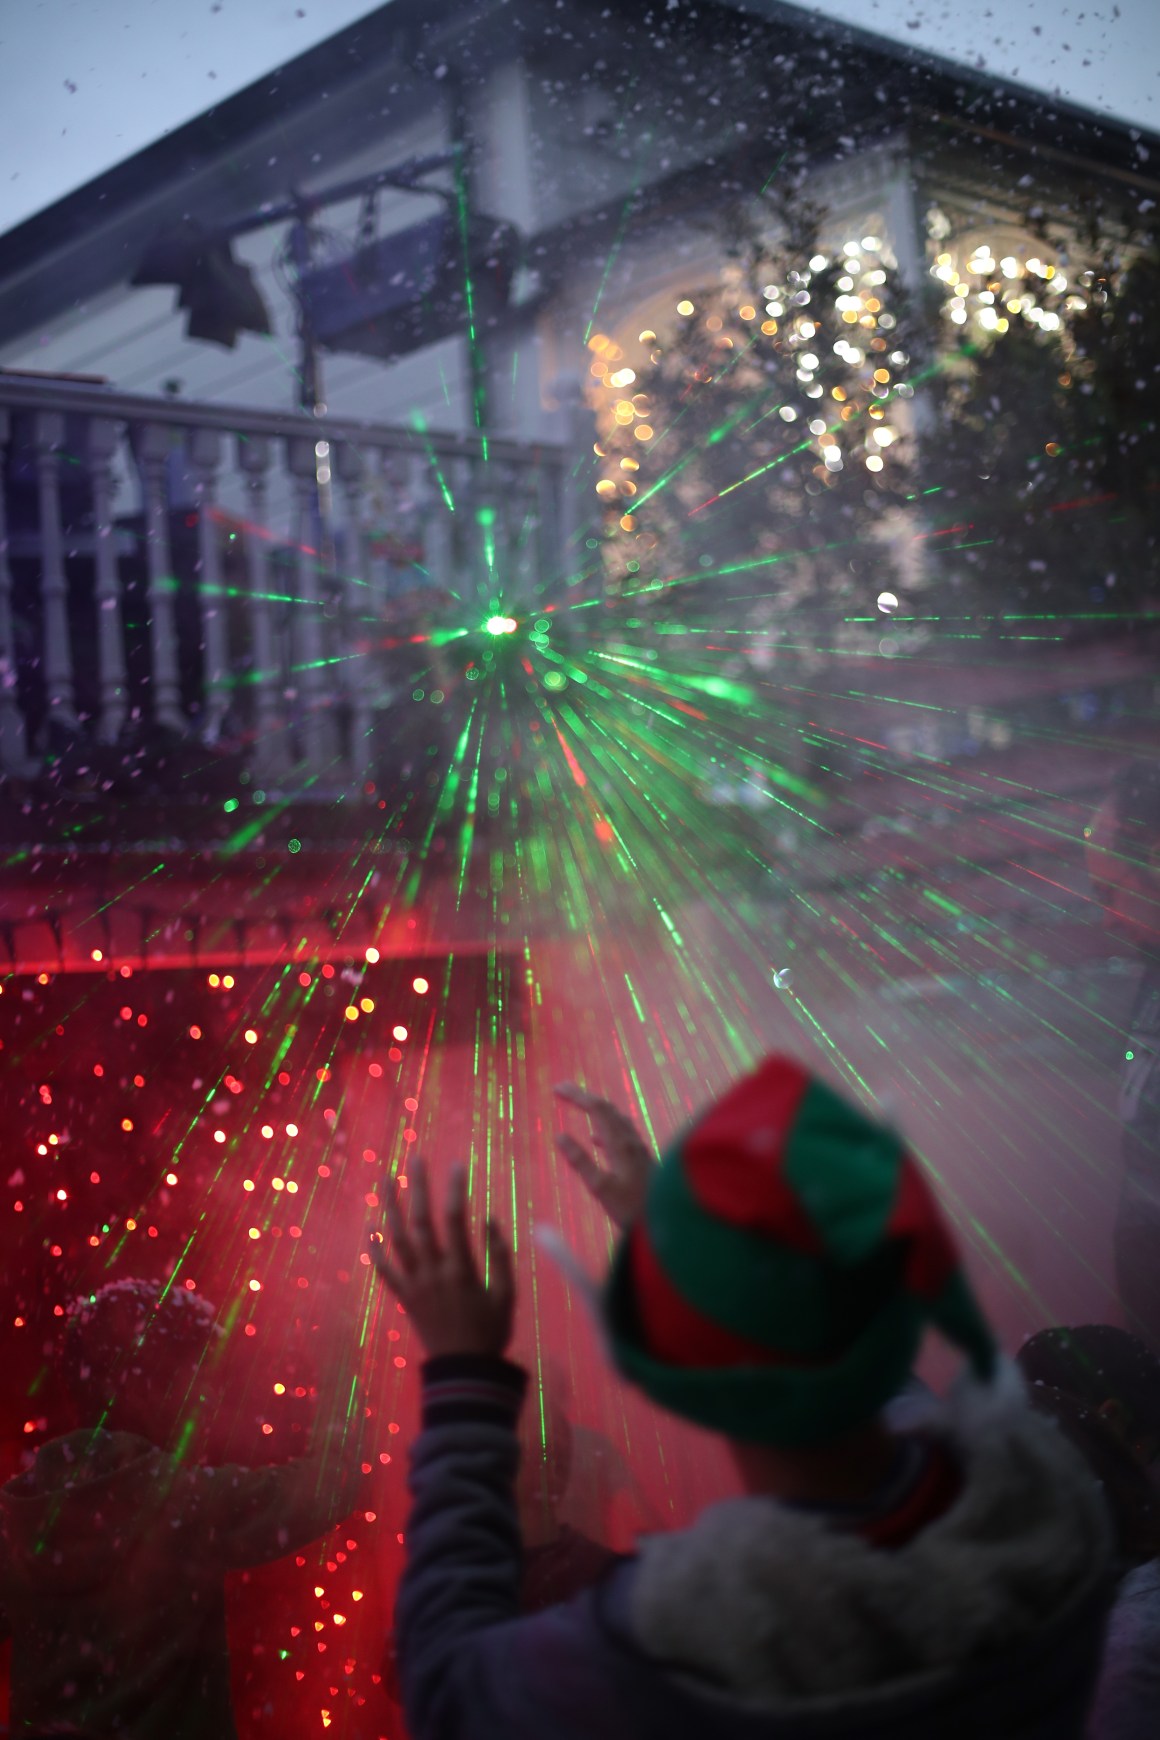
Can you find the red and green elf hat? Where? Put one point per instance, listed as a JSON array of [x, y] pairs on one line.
[[789, 1256]]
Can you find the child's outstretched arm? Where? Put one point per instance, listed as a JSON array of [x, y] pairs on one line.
[[463, 1544]]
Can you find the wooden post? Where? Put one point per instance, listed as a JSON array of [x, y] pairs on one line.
[[13, 739], [58, 669], [355, 608], [310, 675], [204, 455], [271, 756], [153, 450]]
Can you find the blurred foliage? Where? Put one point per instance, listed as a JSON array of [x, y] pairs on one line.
[[755, 452], [743, 482], [1044, 440]]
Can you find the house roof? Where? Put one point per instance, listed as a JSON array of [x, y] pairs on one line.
[[250, 148]]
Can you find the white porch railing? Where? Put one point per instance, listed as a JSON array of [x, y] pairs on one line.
[[221, 574]]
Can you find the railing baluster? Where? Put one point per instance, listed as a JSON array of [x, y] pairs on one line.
[[204, 455], [356, 605], [439, 496], [404, 480], [434, 527], [510, 503], [104, 439], [13, 741], [521, 509], [58, 666], [464, 533], [489, 551], [153, 450], [384, 491], [271, 755]]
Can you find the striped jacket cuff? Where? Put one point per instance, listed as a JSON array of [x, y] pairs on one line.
[[472, 1387]]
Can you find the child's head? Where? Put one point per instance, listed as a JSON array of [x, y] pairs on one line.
[[133, 1357], [1102, 1387], [789, 1257]]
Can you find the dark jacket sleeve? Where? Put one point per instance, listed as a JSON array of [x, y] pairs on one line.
[[1128, 1692], [470, 1667], [463, 1543]]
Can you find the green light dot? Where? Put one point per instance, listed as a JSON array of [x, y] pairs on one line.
[[294, 846], [436, 697], [485, 516], [542, 625], [1129, 1056], [417, 694], [259, 797], [555, 680], [230, 805]]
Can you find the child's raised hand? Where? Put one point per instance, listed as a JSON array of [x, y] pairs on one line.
[[621, 1184], [439, 1284]]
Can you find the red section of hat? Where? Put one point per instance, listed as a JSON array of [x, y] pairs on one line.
[[734, 1157], [931, 1257], [675, 1332]]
